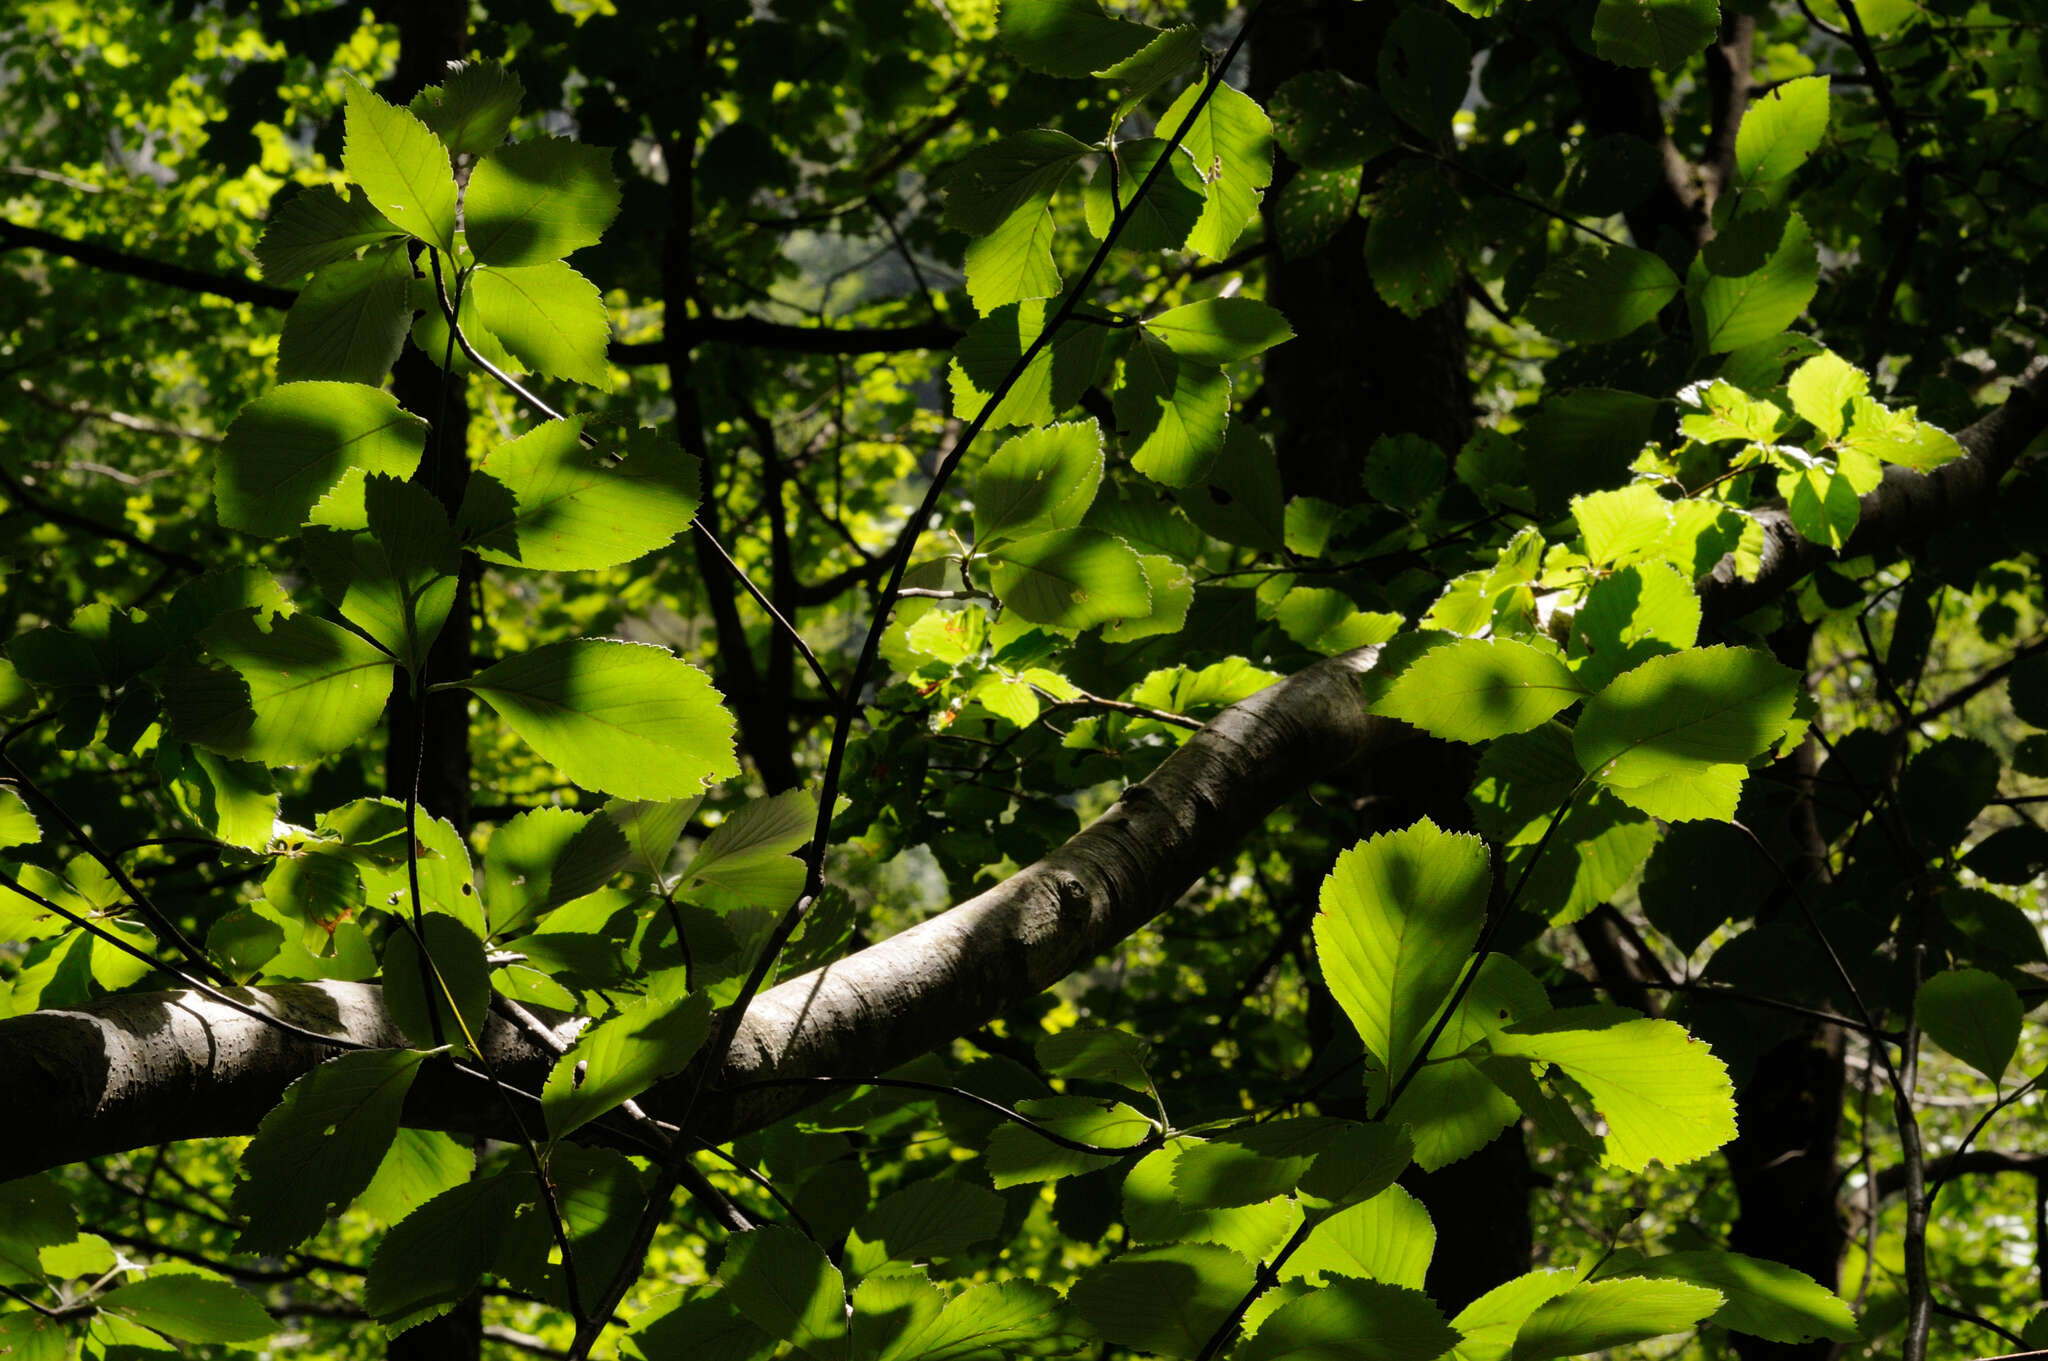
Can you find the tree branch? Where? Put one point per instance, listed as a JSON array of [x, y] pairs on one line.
[[1906, 506]]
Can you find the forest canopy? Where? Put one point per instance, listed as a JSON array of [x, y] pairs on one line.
[[934, 679]]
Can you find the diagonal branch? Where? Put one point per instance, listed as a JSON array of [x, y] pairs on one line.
[[137, 1070]]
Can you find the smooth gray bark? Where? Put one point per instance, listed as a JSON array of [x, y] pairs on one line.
[[138, 1070]]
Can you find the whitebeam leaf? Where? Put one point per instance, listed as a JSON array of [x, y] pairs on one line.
[[624, 718]]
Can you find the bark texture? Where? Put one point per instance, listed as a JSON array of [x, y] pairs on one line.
[[143, 1069], [146, 1068]]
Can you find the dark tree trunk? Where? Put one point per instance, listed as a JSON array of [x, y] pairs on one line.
[[427, 740], [1358, 370]]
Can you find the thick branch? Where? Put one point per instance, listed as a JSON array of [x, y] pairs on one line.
[[1906, 507], [143, 1069]]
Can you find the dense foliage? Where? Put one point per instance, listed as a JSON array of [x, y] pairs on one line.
[[939, 681]]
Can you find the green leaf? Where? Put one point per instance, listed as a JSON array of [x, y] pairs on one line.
[[1096, 1052], [433, 1257], [1403, 471], [545, 857], [624, 718], [1173, 412], [1630, 616], [889, 1312], [1822, 504], [756, 843], [419, 1165], [997, 1314], [1399, 914], [1253, 1163], [1488, 1325], [550, 317], [1018, 1154], [1231, 141], [472, 109], [1166, 1300], [350, 321], [785, 1285], [1762, 1298], [444, 1004], [702, 1325], [290, 448], [1414, 240], [1780, 129], [316, 227], [29, 1336], [1729, 413], [288, 695], [1169, 207], [1595, 295], [1313, 206], [1974, 1015], [1425, 68], [397, 582], [991, 185], [319, 1147], [1348, 1320], [401, 165], [1158, 61], [18, 826], [1014, 261], [1898, 437], [936, 1217], [651, 828], [545, 502], [537, 201], [1663, 1094], [1733, 307], [1043, 479], [1220, 330], [1659, 33], [190, 1308], [1359, 1162], [1678, 714], [1070, 579], [1067, 37], [621, 1057], [1388, 1238], [35, 1213], [1048, 386], [1822, 388], [1604, 1314], [1474, 689], [1240, 500], [1329, 123]]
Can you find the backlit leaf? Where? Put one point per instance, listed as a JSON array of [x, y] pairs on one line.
[[545, 502], [549, 316], [537, 201], [1974, 1015], [401, 165], [1071, 579], [1478, 688], [290, 447], [621, 1057], [1663, 1094], [624, 718], [319, 1147], [1399, 915]]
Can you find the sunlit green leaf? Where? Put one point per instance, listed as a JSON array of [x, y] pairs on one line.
[[401, 165], [318, 1149], [625, 718], [290, 447], [537, 201]]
